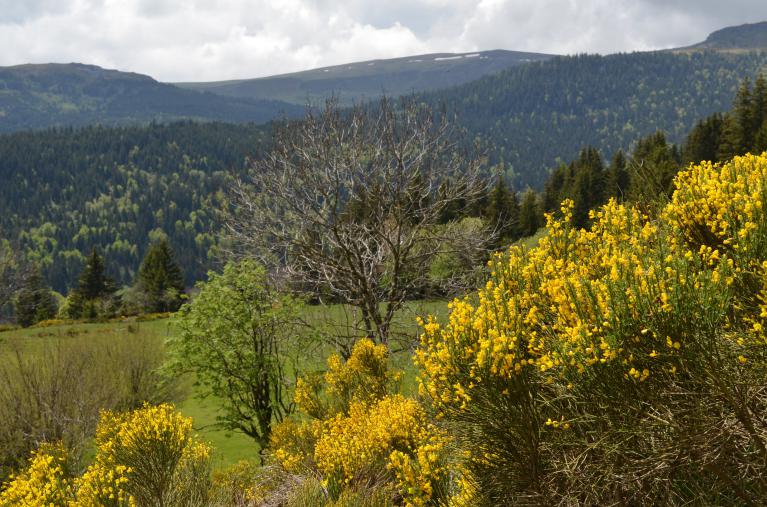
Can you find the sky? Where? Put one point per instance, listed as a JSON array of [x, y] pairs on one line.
[[206, 40]]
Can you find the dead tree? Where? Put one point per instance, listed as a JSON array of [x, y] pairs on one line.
[[349, 204]]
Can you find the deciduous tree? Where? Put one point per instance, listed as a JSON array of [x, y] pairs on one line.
[[346, 202]]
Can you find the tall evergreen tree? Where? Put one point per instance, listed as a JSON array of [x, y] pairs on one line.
[[530, 217], [704, 140], [589, 183], [93, 282], [554, 187], [160, 279], [34, 301], [654, 164], [618, 179], [94, 295], [502, 211], [745, 117]]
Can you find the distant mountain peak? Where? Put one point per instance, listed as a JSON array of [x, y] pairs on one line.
[[747, 36]]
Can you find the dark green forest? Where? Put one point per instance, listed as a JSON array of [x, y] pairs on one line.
[[67, 190], [535, 116]]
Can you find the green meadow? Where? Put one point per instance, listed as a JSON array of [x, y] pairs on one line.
[[230, 446]]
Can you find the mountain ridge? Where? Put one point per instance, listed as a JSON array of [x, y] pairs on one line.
[[748, 36], [355, 81], [69, 94]]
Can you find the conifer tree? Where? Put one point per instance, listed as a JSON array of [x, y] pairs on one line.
[[34, 301], [530, 218], [502, 211], [704, 140], [93, 296], [618, 179], [654, 164], [745, 117], [93, 282], [160, 279], [589, 183]]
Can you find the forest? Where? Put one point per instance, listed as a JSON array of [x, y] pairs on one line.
[[69, 190], [536, 116], [116, 188]]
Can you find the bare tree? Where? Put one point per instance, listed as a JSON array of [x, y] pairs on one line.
[[350, 204]]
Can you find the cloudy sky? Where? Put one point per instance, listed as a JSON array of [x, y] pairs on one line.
[[199, 40]]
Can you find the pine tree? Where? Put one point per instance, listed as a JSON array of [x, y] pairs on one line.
[[653, 167], [704, 140], [618, 179], [502, 211], [34, 301], [760, 115], [530, 219], [93, 282], [589, 183], [554, 188], [94, 295], [160, 279], [742, 130]]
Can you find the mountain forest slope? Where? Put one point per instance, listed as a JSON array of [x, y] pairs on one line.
[[369, 79], [533, 117], [41, 96], [65, 191]]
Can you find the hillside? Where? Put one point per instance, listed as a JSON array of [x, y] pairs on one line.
[[65, 191], [367, 80], [748, 36], [40, 96], [535, 116]]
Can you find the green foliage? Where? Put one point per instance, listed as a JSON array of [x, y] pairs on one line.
[[741, 130], [654, 163], [536, 115], [236, 336], [94, 296], [67, 191], [502, 212], [34, 301], [530, 218], [160, 279]]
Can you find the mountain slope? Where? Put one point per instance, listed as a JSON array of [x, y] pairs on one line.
[[38, 96], [65, 191], [367, 80], [748, 36], [534, 116]]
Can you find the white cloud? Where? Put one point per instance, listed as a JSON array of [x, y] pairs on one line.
[[175, 40]]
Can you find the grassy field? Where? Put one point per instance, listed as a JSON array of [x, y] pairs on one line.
[[230, 447]]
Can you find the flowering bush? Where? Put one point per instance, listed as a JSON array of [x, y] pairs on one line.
[[145, 457], [355, 433], [608, 364], [44, 482]]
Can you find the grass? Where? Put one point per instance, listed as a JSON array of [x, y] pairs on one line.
[[230, 447]]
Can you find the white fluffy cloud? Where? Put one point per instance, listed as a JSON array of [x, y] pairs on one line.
[[194, 40]]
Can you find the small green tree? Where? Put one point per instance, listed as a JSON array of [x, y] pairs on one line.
[[236, 337], [160, 279], [34, 301], [94, 295]]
